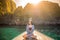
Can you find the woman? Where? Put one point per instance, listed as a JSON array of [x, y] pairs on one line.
[[30, 29]]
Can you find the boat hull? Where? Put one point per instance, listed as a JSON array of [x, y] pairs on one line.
[[39, 36], [33, 37]]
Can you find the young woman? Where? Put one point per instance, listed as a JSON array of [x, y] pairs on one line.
[[30, 29]]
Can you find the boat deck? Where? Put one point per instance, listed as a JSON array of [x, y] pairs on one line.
[[39, 35]]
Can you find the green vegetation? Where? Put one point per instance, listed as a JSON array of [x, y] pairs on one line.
[[44, 12]]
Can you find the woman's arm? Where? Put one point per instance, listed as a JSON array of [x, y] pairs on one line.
[[33, 27], [27, 28]]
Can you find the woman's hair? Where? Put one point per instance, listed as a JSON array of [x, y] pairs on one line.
[[29, 24]]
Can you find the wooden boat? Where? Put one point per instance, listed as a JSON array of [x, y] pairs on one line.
[[33, 37], [39, 36]]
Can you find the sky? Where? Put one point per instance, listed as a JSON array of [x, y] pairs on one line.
[[24, 2]]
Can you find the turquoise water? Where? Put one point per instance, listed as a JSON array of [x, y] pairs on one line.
[[8, 33], [51, 34], [51, 31]]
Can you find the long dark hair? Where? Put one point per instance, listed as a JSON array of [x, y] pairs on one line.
[[29, 24]]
